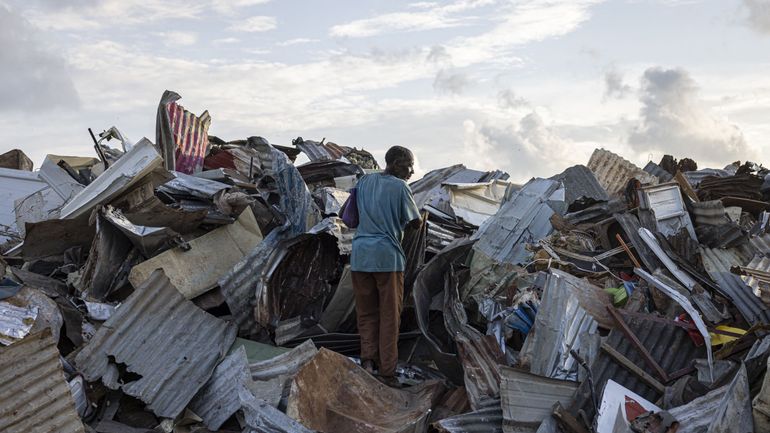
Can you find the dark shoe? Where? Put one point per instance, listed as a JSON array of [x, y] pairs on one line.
[[390, 381], [368, 365]]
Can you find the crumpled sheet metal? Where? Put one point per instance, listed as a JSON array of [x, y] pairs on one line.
[[670, 346], [15, 322], [665, 203], [528, 399], [761, 405], [333, 394], [272, 377], [723, 410], [760, 285], [480, 355], [335, 227], [106, 269], [134, 165], [428, 189], [694, 178], [524, 218], [218, 400], [487, 419], [581, 188], [631, 226], [34, 395], [181, 135], [185, 184], [240, 285], [561, 325], [260, 417], [430, 283], [167, 340], [717, 264], [613, 171], [658, 171], [475, 203], [149, 240]]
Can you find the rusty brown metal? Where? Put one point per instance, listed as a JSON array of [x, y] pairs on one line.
[[628, 250]]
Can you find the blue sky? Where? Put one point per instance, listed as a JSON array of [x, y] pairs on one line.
[[530, 87]]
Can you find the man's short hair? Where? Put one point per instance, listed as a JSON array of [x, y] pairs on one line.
[[397, 152]]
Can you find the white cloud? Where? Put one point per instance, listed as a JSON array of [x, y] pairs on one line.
[[178, 39], [33, 76], [231, 7], [450, 82], [614, 87], [759, 15], [673, 119], [222, 41], [431, 16], [259, 23], [508, 99], [296, 41]]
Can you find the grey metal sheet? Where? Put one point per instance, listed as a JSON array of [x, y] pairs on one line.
[[758, 285], [711, 212], [14, 185], [718, 263], [34, 396], [631, 225], [613, 171], [261, 417], [658, 171], [670, 346], [487, 419], [185, 184], [694, 178], [314, 150], [761, 244], [528, 399], [428, 189], [523, 219], [165, 339], [218, 400], [272, 377], [15, 322], [581, 187]]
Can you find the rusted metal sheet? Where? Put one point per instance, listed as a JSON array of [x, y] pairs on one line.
[[34, 395], [528, 399], [613, 171], [740, 186], [157, 347], [16, 159], [272, 377], [333, 394]]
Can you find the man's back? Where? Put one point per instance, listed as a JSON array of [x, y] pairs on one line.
[[385, 206]]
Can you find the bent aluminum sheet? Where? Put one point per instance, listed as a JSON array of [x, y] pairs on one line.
[[333, 394], [170, 343], [15, 322], [523, 219], [757, 277], [717, 263], [272, 377], [723, 410], [581, 187], [210, 256], [761, 405], [261, 417], [184, 184], [528, 399], [561, 325], [218, 400], [14, 185], [118, 178], [487, 419], [239, 285], [474, 203], [34, 396]]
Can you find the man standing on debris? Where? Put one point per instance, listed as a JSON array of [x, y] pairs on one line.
[[385, 209]]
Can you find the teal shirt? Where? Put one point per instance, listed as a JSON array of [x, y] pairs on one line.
[[385, 206]]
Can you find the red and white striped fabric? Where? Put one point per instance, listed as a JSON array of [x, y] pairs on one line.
[[191, 135]]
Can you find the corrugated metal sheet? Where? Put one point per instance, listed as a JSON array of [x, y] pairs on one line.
[[759, 281], [631, 225], [613, 172], [260, 417], [118, 178], [182, 135], [596, 212], [487, 419], [761, 244], [523, 219], [718, 263], [561, 325], [694, 178], [218, 400], [581, 187], [314, 150], [272, 377], [670, 346], [157, 334], [240, 284], [740, 186], [15, 322], [428, 189], [710, 212], [658, 171], [761, 405], [528, 399], [34, 396]]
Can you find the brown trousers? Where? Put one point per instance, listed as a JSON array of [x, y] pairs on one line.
[[379, 297]]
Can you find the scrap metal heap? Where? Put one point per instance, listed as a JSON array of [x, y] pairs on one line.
[[198, 285]]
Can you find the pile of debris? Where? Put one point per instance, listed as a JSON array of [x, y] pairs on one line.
[[199, 285]]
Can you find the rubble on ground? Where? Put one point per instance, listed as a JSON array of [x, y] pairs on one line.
[[193, 284]]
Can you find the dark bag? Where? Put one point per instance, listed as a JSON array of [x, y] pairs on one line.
[[350, 211]]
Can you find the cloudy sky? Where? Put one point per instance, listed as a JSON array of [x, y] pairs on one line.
[[526, 86]]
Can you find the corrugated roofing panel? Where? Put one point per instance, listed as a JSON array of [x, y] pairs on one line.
[[581, 187], [524, 218], [613, 171], [631, 225], [760, 285], [658, 171], [157, 334], [528, 399], [694, 178], [761, 244], [34, 396], [314, 150], [670, 346], [718, 263], [218, 400]]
